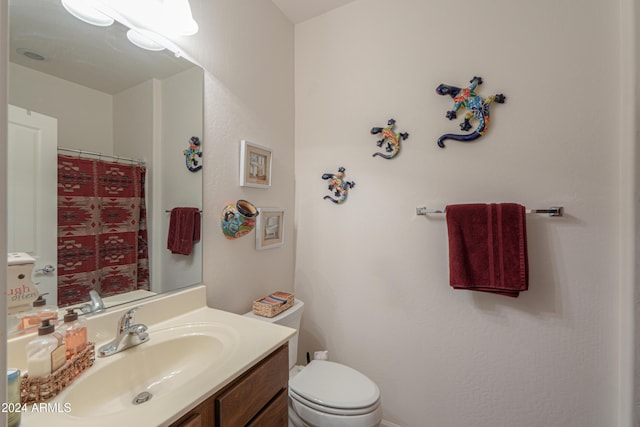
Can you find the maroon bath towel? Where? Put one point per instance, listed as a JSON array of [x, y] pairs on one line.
[[184, 230], [488, 248]]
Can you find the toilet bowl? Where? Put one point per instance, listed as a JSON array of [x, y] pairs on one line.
[[331, 394], [325, 393]]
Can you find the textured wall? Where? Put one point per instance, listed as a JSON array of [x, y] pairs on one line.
[[4, 54], [629, 216], [632, 297], [246, 48], [376, 276]]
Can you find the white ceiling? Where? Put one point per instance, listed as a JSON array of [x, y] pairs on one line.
[[102, 58], [97, 57], [301, 10]]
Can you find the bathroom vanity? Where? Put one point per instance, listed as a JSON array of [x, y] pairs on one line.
[[201, 366], [257, 398]]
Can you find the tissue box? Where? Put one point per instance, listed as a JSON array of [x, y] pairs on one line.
[[273, 304]]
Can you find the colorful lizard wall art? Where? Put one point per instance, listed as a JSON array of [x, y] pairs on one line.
[[391, 138], [192, 154], [338, 185], [477, 107]]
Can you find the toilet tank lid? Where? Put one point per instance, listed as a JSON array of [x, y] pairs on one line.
[[297, 305], [335, 385], [15, 258]]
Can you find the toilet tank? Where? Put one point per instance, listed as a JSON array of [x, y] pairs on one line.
[[291, 318], [21, 290]]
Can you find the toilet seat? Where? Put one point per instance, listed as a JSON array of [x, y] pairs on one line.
[[330, 410], [333, 388], [303, 415]]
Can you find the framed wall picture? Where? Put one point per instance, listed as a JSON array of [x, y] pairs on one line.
[[270, 228], [255, 165]]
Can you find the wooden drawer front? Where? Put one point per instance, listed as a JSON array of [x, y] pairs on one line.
[[274, 415], [237, 405], [201, 416], [194, 421]]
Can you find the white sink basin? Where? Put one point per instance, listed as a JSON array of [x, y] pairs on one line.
[[169, 361], [194, 351]]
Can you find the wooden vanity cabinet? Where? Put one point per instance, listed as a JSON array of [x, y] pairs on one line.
[[257, 398]]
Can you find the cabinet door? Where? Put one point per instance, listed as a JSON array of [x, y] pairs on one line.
[[247, 396]]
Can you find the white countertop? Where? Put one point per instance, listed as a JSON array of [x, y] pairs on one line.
[[253, 340]]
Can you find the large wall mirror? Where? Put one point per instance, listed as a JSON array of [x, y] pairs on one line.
[[103, 99]]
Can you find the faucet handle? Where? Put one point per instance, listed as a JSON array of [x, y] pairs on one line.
[[96, 302], [125, 320]]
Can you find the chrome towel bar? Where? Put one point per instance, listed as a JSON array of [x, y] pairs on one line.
[[552, 211]]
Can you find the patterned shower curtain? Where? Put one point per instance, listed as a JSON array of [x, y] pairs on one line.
[[102, 232]]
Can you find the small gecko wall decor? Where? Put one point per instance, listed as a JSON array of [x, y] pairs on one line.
[[192, 154], [391, 138], [477, 107], [338, 185]]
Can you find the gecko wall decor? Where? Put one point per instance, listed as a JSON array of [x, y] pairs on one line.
[[338, 186], [389, 137], [477, 107], [193, 154]]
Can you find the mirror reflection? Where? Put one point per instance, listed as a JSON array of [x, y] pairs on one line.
[[87, 106]]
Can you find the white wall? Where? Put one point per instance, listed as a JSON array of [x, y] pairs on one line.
[[376, 276], [154, 121], [246, 49], [136, 113], [633, 295], [4, 99], [182, 102], [133, 121], [629, 403], [85, 116]]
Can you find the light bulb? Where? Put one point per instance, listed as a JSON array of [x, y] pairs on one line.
[[144, 39], [88, 12], [178, 13]]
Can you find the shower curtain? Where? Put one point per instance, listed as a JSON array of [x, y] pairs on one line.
[[102, 232]]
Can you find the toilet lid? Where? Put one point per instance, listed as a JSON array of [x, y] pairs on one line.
[[334, 385]]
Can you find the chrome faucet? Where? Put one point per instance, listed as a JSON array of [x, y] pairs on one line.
[[128, 335], [96, 305]]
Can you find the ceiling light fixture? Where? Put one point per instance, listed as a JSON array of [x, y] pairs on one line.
[[168, 18], [144, 39], [87, 11], [152, 22]]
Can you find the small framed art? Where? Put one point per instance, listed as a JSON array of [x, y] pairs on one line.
[[255, 165], [270, 228]]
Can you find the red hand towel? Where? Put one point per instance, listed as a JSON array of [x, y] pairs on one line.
[[184, 230], [488, 248]]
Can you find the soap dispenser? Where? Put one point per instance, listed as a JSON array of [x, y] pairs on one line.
[[39, 312], [74, 332], [47, 352]]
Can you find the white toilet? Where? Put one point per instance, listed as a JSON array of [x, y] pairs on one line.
[[323, 393]]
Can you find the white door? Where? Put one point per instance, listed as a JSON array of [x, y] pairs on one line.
[[32, 194]]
